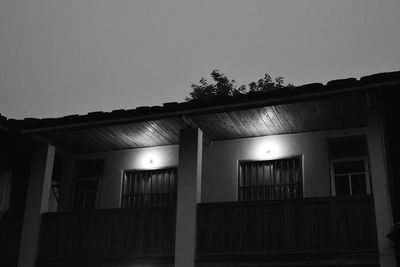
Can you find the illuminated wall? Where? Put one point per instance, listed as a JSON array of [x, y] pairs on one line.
[[221, 160], [220, 163], [116, 162]]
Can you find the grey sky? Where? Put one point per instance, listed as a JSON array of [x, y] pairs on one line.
[[62, 57]]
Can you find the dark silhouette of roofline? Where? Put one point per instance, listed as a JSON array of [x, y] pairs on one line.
[[3, 123], [219, 104]]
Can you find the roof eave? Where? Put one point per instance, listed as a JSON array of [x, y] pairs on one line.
[[298, 94]]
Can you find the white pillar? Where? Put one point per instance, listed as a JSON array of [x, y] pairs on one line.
[[380, 187], [37, 202], [189, 194]]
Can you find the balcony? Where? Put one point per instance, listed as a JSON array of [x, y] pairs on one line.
[[324, 228], [311, 229], [116, 236]]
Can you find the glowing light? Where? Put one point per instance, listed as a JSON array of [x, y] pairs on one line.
[[268, 149], [151, 159]]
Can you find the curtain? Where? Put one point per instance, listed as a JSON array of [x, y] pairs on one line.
[[149, 188], [270, 180], [5, 191]]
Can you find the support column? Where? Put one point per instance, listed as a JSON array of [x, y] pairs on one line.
[[380, 187], [66, 185], [189, 194], [37, 202]]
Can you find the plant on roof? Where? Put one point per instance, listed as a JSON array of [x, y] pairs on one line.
[[223, 87]]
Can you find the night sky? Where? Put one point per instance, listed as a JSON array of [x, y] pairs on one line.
[[62, 57]]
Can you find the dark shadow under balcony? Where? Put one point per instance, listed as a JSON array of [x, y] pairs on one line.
[[324, 230], [114, 236]]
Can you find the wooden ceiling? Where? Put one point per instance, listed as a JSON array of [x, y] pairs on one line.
[[283, 119], [117, 137], [321, 114]]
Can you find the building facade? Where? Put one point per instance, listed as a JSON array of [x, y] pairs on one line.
[[298, 177]]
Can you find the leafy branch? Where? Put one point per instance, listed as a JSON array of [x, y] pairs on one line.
[[222, 86]]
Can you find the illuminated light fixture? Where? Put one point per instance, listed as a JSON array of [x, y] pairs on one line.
[[152, 158], [265, 150], [149, 159]]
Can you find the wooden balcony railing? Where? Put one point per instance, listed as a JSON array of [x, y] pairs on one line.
[[10, 236], [269, 230], [113, 235], [276, 230]]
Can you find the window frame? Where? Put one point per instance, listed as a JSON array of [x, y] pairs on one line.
[[98, 179], [350, 159], [77, 179], [124, 172], [301, 176]]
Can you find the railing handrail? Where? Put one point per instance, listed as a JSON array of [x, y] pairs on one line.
[[310, 200], [309, 224], [110, 234], [108, 211]]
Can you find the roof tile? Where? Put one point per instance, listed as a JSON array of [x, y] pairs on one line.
[[381, 77], [342, 83], [97, 116]]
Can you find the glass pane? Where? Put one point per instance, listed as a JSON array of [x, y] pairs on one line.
[[347, 147], [82, 189], [342, 186], [86, 185], [358, 185], [90, 200], [268, 174], [349, 167], [152, 188], [270, 180], [260, 175], [89, 168], [78, 200]]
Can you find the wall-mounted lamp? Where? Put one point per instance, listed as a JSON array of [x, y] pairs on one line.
[[265, 150], [150, 159]]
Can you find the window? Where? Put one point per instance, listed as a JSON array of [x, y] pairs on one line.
[[350, 177], [87, 183], [349, 166], [149, 188], [270, 180]]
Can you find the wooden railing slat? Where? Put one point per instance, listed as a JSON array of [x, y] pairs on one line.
[[328, 223], [107, 234]]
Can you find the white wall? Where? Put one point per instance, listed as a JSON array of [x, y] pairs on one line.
[[220, 163], [220, 169], [116, 162]]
